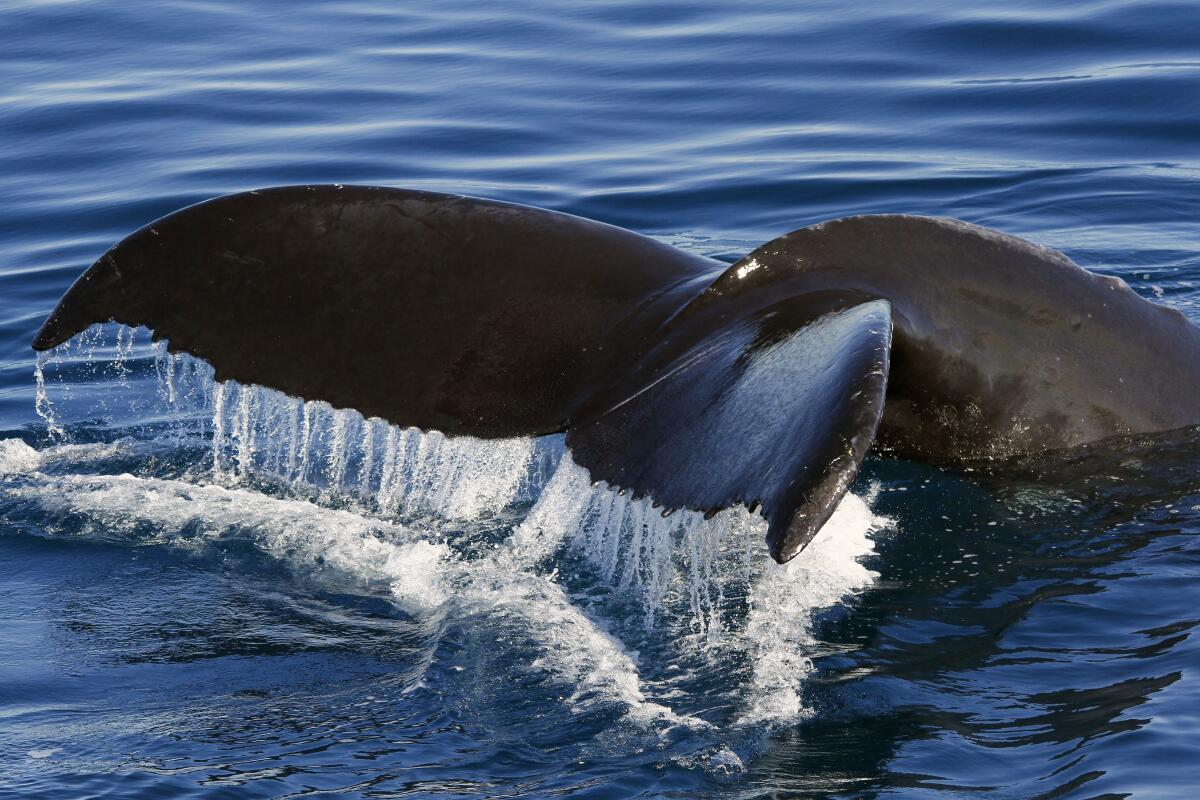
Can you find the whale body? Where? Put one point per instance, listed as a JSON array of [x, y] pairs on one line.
[[694, 383]]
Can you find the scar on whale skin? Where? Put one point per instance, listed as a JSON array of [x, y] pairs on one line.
[[674, 377]]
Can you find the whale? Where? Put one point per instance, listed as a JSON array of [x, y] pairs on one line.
[[681, 379]]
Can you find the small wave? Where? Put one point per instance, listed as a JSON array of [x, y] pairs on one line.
[[306, 536]]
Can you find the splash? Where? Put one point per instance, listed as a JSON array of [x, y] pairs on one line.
[[112, 378], [18, 458], [780, 632], [684, 567], [580, 569], [262, 433], [307, 537]]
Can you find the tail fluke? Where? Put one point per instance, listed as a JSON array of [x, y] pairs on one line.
[[488, 319], [770, 407], [442, 312], [675, 378]]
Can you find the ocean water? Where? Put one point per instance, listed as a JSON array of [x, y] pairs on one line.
[[212, 591]]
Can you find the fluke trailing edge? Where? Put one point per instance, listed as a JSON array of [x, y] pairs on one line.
[[675, 377]]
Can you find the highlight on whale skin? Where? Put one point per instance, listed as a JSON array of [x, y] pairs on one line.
[[672, 378]]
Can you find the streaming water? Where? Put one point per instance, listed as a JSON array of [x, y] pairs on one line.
[[453, 527]]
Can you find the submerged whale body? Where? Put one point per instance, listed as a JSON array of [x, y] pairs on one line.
[[675, 377]]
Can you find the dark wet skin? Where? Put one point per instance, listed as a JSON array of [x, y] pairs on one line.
[[675, 377], [1001, 347]]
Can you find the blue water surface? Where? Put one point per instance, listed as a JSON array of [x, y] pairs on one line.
[[171, 631]]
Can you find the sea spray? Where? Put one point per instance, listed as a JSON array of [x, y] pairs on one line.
[[780, 630], [515, 584], [112, 379], [262, 433]]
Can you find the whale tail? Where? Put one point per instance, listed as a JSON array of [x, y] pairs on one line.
[[674, 377]]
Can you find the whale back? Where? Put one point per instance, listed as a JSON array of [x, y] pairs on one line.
[[1001, 346]]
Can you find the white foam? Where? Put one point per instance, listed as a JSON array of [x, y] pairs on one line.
[[778, 634], [297, 531], [683, 562], [17, 457], [421, 575], [592, 661], [553, 517]]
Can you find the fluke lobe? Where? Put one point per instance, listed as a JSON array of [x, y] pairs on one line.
[[675, 377]]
